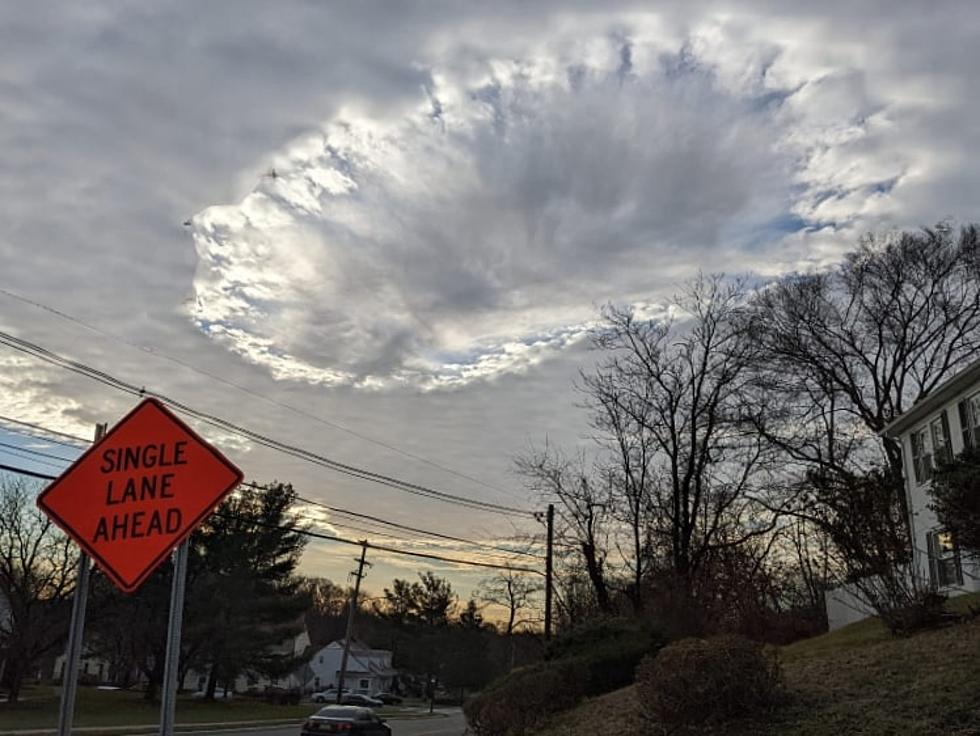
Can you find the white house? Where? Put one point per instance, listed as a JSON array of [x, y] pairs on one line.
[[937, 427], [369, 671]]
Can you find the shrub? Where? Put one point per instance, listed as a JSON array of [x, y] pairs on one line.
[[694, 682], [609, 651], [589, 660], [925, 610], [526, 698]]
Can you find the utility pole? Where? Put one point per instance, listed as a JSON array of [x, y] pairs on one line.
[[69, 670], [350, 618], [549, 571]]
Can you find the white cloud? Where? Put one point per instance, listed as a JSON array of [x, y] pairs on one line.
[[476, 235]]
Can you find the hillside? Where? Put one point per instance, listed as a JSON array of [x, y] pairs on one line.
[[855, 680]]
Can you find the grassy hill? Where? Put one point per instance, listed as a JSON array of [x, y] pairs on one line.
[[858, 680]]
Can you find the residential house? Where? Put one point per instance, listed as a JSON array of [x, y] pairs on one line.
[[369, 671], [936, 428]]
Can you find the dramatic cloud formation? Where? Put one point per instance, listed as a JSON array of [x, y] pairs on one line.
[[475, 234]]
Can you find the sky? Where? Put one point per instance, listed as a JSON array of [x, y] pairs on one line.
[[383, 231]]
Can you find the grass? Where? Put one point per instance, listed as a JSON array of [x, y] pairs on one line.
[[857, 680], [108, 708]]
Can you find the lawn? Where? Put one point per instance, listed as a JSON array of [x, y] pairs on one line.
[[39, 709], [858, 680]]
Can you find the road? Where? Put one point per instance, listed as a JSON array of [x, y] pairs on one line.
[[451, 725]]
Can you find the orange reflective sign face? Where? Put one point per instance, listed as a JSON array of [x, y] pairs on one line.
[[139, 492]]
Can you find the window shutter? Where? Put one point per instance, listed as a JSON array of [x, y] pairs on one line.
[[966, 426], [947, 440]]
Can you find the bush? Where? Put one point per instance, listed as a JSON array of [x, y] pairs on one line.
[[608, 650], [694, 682], [526, 698], [926, 610], [590, 660]]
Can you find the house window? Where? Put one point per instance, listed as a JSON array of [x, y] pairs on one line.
[[970, 420], [930, 445], [921, 457], [944, 560]]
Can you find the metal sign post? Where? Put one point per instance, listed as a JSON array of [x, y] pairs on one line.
[[168, 702], [76, 630]]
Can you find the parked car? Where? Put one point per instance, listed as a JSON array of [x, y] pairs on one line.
[[326, 696], [344, 719], [358, 699], [219, 694], [388, 698]]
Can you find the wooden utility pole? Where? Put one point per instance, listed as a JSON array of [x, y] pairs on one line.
[[350, 619], [549, 571]]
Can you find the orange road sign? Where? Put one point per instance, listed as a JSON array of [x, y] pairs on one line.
[[139, 492]]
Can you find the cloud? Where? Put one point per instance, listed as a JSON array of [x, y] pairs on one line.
[[476, 235]]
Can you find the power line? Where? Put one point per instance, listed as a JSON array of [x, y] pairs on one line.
[[36, 452], [301, 412], [39, 428], [107, 379], [334, 510], [327, 537], [23, 471], [449, 537], [22, 455]]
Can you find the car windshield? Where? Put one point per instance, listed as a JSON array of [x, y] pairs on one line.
[[339, 711]]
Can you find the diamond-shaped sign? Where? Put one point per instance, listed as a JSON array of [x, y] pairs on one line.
[[139, 492]]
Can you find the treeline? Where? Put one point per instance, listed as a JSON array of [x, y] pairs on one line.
[[245, 602], [243, 595], [437, 641]]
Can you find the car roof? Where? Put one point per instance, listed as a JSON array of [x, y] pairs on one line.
[[342, 711]]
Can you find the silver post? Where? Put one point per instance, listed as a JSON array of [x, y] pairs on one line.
[[76, 630], [168, 701]]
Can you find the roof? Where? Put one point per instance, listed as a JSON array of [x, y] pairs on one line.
[[942, 394]]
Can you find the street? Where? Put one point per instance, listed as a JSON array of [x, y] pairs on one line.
[[452, 724]]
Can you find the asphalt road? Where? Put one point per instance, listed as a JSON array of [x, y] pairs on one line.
[[451, 725]]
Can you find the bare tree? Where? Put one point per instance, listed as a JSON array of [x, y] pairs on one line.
[[675, 388], [629, 469], [582, 511], [37, 579], [513, 591], [841, 354], [844, 352]]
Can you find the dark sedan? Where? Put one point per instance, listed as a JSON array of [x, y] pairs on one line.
[[358, 699], [344, 719]]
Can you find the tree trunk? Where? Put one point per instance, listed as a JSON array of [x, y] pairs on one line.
[[14, 678], [595, 575], [212, 683]]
